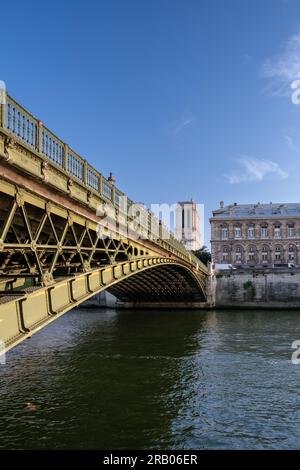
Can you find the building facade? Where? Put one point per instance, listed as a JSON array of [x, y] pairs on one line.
[[187, 225], [252, 235]]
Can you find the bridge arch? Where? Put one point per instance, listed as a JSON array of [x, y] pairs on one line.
[[26, 312], [162, 283]]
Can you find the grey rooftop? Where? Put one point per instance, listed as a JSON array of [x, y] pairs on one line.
[[270, 210]]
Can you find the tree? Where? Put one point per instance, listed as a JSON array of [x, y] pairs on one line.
[[203, 254]]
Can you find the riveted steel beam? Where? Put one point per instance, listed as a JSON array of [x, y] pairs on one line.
[[25, 313]]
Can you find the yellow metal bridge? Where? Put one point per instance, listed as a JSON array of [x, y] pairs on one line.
[[67, 233]]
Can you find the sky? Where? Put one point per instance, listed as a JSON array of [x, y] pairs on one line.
[[179, 99]]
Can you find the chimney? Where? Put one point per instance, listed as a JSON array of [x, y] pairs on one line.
[[221, 204]]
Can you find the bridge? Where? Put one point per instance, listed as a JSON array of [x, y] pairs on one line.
[[67, 233]]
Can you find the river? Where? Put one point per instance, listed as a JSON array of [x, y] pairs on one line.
[[106, 379]]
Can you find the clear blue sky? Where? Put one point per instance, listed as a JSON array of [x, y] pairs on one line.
[[178, 98]]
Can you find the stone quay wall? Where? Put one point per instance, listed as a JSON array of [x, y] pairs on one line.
[[273, 288]]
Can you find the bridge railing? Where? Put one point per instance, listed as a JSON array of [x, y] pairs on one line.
[[20, 122], [32, 133]]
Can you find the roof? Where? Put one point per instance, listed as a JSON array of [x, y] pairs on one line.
[[254, 211]]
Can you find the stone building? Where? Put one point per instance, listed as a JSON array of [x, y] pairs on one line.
[[253, 235], [187, 225]]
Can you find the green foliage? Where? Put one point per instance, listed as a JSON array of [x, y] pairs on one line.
[[249, 285], [203, 254]]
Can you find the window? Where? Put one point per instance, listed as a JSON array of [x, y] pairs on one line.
[[238, 254], [277, 232], [291, 231], [107, 191], [237, 232], [264, 232], [117, 199], [264, 255], [291, 253], [225, 255], [277, 253], [251, 232], [188, 217], [224, 233], [251, 254]]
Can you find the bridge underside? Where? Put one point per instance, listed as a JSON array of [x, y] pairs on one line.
[[167, 283], [41, 240], [24, 312]]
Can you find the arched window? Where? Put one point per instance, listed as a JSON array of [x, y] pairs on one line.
[[251, 253], [291, 252], [238, 254], [225, 253], [265, 254], [278, 253]]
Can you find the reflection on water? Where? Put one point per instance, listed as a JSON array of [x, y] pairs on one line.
[[149, 379]]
